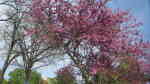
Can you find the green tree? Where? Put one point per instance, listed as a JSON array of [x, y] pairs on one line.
[[18, 76], [5, 82], [52, 81]]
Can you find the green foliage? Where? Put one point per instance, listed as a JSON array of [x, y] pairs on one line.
[[5, 82], [0, 73], [18, 77], [65, 79], [35, 78], [52, 81]]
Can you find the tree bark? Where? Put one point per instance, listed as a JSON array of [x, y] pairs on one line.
[[3, 71], [27, 76], [2, 76]]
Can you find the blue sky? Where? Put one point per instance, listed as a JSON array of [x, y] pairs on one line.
[[139, 8]]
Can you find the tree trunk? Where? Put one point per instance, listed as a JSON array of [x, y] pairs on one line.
[[26, 82], [27, 76], [3, 72], [1, 78]]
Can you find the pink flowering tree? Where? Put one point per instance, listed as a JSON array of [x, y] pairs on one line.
[[98, 39]]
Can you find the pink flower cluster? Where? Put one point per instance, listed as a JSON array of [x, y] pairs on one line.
[[113, 32]]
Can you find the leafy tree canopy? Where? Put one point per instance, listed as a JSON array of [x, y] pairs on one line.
[[18, 76]]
